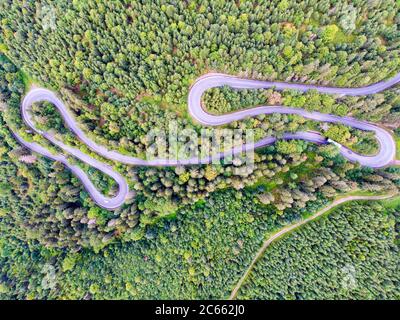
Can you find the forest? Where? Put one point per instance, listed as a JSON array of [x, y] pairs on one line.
[[352, 254], [200, 256], [124, 68]]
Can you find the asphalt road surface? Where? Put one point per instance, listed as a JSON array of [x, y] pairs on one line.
[[384, 157]]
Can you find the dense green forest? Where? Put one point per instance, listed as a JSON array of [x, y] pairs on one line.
[[351, 254], [64, 215], [198, 254], [124, 68], [201, 256]]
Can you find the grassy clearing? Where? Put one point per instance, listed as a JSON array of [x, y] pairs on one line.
[[360, 193], [392, 203], [27, 80], [168, 217]]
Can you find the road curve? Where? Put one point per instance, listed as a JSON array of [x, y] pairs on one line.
[[387, 144], [290, 228], [385, 156]]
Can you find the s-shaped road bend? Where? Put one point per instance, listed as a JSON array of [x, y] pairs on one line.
[[384, 157]]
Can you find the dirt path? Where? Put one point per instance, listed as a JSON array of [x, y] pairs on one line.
[[296, 225]]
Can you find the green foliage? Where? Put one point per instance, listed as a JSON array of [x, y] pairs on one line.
[[289, 147], [200, 254], [351, 254], [329, 32], [338, 133], [125, 68], [69, 262]]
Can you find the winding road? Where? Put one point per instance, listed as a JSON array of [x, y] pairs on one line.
[[385, 156]]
